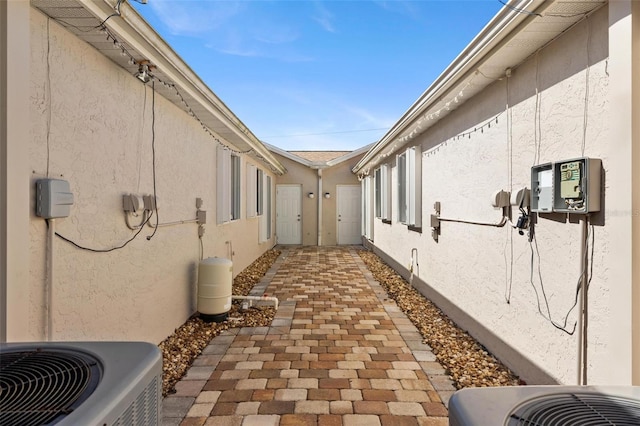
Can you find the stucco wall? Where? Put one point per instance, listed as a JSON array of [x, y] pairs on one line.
[[339, 174], [479, 268], [91, 125]]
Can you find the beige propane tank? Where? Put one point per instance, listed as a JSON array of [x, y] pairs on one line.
[[215, 278]]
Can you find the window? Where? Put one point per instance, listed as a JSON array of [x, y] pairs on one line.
[[381, 189], [255, 191], [227, 185], [235, 187], [409, 187], [260, 192], [252, 191], [266, 215]]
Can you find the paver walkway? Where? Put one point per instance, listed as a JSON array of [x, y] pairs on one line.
[[338, 352]]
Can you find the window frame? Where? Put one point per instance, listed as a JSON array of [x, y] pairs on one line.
[[409, 187], [228, 185]]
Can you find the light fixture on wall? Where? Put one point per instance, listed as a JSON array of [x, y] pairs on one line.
[[143, 73], [311, 195], [327, 195]]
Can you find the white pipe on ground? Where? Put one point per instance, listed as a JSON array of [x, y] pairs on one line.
[[258, 298]]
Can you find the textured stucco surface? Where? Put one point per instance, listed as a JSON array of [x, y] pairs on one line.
[[477, 267], [339, 174], [91, 124]]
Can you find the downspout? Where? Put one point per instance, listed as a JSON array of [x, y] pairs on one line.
[[320, 197]]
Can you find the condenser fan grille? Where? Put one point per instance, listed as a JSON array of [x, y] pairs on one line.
[[577, 409], [39, 387]]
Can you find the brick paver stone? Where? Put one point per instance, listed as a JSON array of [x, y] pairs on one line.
[[334, 355]]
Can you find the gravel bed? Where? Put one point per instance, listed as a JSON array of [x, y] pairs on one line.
[[467, 362], [187, 342]]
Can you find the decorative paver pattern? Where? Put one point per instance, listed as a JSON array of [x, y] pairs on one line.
[[338, 352]]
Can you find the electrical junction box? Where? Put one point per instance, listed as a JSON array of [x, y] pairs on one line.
[[542, 188], [569, 186], [53, 198]]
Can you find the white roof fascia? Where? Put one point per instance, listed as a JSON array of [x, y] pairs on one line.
[[495, 34], [143, 38], [318, 164]]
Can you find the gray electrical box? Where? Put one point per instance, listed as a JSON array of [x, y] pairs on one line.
[[53, 198], [569, 186], [542, 188]]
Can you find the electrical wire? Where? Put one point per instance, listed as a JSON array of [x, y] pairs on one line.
[[117, 13], [153, 153], [537, 121], [326, 133], [562, 327], [48, 91], [73, 243], [585, 119]]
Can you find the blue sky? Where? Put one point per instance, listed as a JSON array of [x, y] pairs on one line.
[[318, 75]]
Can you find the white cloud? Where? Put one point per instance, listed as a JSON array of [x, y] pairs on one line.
[[195, 17], [323, 17]]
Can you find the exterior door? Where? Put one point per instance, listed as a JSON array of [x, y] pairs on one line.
[[349, 214], [288, 211]]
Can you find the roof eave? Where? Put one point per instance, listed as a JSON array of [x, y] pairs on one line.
[[492, 36], [144, 39]]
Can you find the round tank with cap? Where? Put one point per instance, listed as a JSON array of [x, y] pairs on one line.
[[215, 279]]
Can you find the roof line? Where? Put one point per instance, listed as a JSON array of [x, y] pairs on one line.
[[318, 164], [463, 66], [143, 38]]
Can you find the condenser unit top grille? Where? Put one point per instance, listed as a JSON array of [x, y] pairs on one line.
[[575, 408], [43, 386]]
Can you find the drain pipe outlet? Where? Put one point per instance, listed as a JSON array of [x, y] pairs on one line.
[[258, 298]]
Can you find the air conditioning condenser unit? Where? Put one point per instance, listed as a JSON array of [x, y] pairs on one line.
[[546, 406], [80, 383]]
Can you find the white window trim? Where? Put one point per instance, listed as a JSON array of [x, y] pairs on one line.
[[410, 187], [227, 186]]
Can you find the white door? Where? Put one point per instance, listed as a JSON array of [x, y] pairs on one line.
[[349, 214], [288, 211]]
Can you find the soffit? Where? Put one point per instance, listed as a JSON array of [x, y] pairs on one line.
[[175, 81], [319, 156]]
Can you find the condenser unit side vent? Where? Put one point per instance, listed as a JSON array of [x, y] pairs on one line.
[[144, 410]]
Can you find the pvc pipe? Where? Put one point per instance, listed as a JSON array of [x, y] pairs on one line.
[[414, 262], [584, 305], [49, 290], [258, 298]]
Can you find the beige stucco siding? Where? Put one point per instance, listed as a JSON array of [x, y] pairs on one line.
[[306, 176], [478, 268], [91, 124]]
